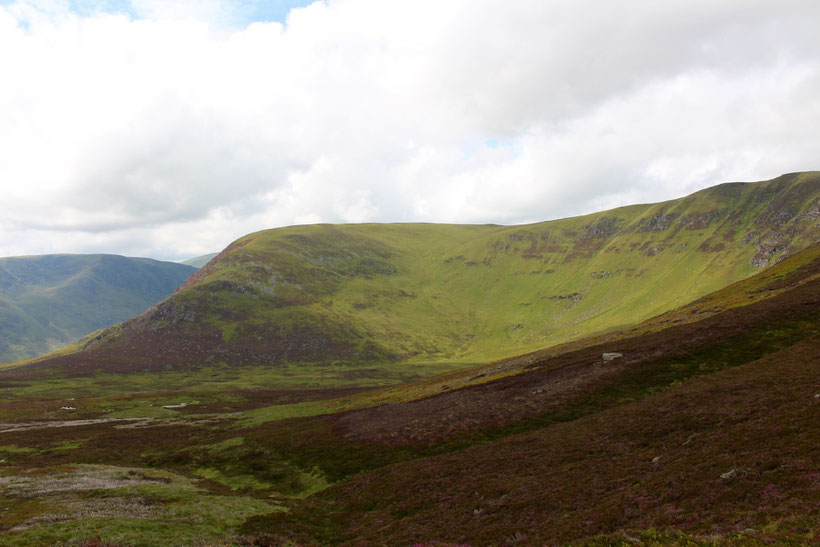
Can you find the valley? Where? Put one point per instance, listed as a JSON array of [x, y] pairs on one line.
[[445, 384], [370, 294], [48, 301]]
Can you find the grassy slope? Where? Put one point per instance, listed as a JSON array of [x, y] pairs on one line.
[[725, 383], [47, 301], [460, 294]]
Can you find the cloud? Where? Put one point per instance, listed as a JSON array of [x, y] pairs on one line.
[[170, 128]]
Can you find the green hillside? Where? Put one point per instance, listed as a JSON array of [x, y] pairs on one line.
[[452, 293], [48, 301]]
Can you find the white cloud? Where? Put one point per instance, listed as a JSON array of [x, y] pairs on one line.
[[170, 129]]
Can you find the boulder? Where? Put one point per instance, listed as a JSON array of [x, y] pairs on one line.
[[733, 474], [611, 356]]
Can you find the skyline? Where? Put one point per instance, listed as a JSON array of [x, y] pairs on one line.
[[169, 129]]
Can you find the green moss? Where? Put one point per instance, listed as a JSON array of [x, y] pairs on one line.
[[169, 507], [234, 481], [69, 445], [227, 444]]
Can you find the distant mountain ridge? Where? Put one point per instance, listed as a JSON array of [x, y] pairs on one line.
[[47, 301], [427, 292], [199, 261]]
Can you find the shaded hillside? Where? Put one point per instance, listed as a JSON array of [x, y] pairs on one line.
[[382, 292], [48, 301]]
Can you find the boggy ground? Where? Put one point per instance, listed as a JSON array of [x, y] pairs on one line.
[[704, 430]]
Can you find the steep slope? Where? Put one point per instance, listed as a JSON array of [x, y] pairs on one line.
[[50, 300], [371, 293]]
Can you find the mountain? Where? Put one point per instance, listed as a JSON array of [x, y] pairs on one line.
[[703, 432], [375, 293], [199, 261], [48, 301]]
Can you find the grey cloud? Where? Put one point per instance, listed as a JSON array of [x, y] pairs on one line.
[[548, 61], [173, 134]]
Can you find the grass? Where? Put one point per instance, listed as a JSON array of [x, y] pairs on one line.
[[125, 506], [427, 293], [137, 395]]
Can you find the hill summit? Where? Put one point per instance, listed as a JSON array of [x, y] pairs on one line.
[[465, 293]]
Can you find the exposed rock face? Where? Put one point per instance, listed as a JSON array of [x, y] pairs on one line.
[[604, 227], [611, 356], [814, 213], [770, 247], [765, 253], [658, 223], [698, 221], [748, 238], [777, 216]]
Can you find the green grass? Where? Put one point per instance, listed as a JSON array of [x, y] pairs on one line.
[[170, 507], [14, 449], [137, 395], [377, 293]]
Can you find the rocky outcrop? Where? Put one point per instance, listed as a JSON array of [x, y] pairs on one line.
[[699, 221], [771, 247], [603, 227], [658, 223]]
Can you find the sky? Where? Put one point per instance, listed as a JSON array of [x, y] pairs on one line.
[[168, 129]]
